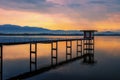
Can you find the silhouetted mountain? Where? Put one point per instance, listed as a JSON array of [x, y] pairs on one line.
[[7, 28], [109, 33], [15, 29]]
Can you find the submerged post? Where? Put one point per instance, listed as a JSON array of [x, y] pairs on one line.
[[1, 61], [88, 45], [33, 56]]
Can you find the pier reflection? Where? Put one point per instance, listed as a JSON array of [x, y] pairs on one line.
[[89, 59]]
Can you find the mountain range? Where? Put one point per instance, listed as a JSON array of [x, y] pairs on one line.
[[15, 29]]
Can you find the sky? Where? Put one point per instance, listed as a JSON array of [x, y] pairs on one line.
[[62, 14]]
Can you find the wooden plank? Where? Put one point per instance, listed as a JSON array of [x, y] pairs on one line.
[[39, 41]]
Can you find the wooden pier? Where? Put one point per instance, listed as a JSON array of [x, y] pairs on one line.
[[84, 50]]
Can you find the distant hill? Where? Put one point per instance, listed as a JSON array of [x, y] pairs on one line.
[[28, 30], [7, 28], [15, 29], [108, 33]]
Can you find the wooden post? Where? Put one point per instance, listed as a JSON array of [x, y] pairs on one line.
[[54, 53], [33, 56], [79, 48], [68, 49], [88, 45]]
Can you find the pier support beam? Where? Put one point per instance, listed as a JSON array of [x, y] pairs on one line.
[[88, 46], [89, 50], [68, 50], [1, 62], [33, 56], [79, 48], [54, 53]]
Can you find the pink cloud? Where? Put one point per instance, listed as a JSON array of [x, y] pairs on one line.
[[114, 17], [60, 2], [65, 2]]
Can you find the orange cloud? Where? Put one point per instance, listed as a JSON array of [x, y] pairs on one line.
[[111, 23], [55, 21], [72, 21]]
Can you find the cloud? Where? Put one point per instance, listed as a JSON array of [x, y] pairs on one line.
[[69, 12], [61, 6], [59, 2], [26, 5], [110, 5], [98, 2]]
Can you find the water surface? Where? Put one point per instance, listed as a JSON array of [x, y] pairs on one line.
[[107, 66]]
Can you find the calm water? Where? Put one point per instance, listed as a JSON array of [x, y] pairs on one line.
[[107, 66]]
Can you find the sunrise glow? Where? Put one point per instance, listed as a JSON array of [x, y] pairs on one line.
[[62, 14]]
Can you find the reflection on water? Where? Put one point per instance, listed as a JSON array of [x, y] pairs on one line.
[[110, 45], [107, 54]]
